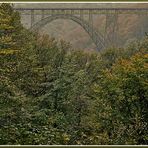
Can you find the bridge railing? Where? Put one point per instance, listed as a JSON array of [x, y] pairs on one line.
[[49, 11]]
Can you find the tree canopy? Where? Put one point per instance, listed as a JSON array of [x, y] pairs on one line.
[[53, 94]]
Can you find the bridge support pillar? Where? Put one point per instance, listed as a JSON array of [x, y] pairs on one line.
[[43, 15], [146, 23], [143, 29], [32, 17], [111, 29], [91, 21], [81, 14], [72, 12]]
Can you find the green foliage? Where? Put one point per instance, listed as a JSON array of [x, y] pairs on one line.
[[52, 94], [122, 92]]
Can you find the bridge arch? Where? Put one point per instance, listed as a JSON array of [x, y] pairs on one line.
[[96, 37]]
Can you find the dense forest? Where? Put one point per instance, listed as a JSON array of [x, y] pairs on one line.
[[53, 94]]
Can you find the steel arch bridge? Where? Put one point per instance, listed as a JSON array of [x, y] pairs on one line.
[[96, 38], [48, 15]]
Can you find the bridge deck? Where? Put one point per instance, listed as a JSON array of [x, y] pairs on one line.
[[86, 10]]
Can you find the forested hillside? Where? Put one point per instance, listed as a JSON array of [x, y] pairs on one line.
[[52, 94]]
